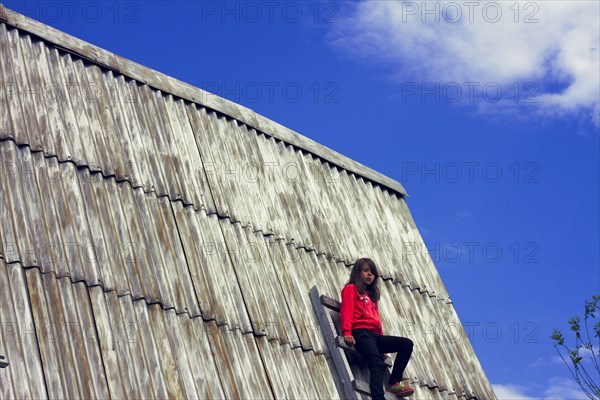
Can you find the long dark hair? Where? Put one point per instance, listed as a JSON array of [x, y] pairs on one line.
[[372, 289]]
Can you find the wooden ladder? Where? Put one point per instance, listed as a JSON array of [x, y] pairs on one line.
[[342, 354]]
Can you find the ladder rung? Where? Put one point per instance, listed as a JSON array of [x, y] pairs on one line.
[[330, 303]]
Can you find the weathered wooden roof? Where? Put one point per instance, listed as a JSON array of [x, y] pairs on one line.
[[164, 240]]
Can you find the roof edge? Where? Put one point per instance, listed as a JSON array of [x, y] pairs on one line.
[[191, 93]]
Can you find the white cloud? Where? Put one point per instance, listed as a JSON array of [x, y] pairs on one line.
[[556, 389], [544, 51], [540, 362], [563, 389], [510, 392], [545, 362]]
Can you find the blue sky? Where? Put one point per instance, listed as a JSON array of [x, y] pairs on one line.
[[486, 112]]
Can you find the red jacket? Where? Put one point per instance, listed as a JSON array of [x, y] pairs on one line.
[[358, 311]]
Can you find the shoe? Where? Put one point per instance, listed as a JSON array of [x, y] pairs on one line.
[[400, 390]]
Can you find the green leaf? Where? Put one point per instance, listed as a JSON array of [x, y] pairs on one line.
[[590, 307], [576, 356], [574, 322], [557, 337]]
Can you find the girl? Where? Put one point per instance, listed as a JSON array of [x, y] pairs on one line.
[[361, 327]]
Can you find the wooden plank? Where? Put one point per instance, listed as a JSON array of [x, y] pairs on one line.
[[3, 16], [25, 378], [191, 93], [339, 360], [330, 303], [239, 365]]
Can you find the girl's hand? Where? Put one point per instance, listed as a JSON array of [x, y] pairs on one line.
[[350, 340]]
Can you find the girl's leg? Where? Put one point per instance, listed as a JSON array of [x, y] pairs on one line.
[[366, 345], [402, 346]]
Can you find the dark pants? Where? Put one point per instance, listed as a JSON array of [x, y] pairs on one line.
[[371, 347]]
